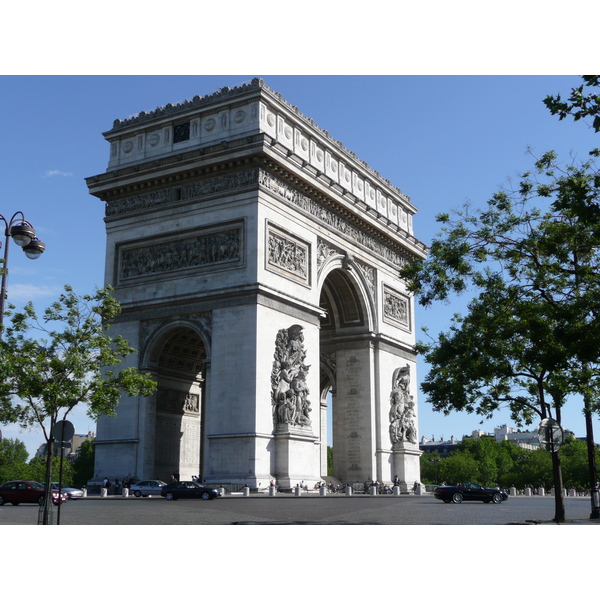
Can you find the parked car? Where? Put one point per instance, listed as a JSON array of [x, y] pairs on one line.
[[27, 492], [150, 487], [188, 489], [469, 491], [70, 491]]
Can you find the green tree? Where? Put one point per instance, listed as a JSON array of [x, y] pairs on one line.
[[574, 456], [83, 465], [531, 337], [13, 460], [459, 467], [38, 470], [330, 461], [430, 467], [535, 470], [584, 102], [43, 378]]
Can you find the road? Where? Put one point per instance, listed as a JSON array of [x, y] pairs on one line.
[[308, 510]]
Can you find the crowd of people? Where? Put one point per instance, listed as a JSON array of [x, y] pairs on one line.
[[115, 487]]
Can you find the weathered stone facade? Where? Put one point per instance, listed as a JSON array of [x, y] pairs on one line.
[[256, 261]]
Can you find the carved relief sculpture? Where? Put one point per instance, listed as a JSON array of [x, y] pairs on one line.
[[288, 255], [396, 308], [176, 401], [402, 415], [199, 251], [288, 379]]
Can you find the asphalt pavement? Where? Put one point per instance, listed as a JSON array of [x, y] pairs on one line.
[[287, 509]]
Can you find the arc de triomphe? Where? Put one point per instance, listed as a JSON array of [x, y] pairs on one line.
[[256, 261]]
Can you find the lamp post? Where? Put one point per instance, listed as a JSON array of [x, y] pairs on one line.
[[23, 234]]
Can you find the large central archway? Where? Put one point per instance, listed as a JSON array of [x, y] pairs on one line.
[[344, 351]]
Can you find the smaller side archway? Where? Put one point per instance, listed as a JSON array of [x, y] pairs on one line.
[[177, 355]]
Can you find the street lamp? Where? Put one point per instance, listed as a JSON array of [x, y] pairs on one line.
[[23, 234]]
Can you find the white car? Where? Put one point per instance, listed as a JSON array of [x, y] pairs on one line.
[[71, 492], [150, 487]]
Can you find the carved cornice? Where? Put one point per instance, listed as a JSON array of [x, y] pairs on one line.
[[153, 170], [256, 85], [327, 212], [224, 93]]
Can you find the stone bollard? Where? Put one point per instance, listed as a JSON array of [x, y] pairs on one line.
[[373, 490], [272, 491], [513, 491], [542, 491], [125, 492], [103, 493], [298, 491], [396, 490], [246, 492], [85, 492], [323, 491], [222, 491], [348, 490], [528, 491]]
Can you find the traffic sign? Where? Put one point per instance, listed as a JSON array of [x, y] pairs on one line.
[[63, 431], [550, 434]]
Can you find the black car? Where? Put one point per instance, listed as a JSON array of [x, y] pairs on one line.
[[188, 489], [469, 491]]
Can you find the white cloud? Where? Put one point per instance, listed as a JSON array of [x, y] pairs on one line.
[[33, 437], [56, 172], [23, 292]]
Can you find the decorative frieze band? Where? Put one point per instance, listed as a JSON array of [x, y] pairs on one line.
[[317, 211], [189, 191], [212, 248]]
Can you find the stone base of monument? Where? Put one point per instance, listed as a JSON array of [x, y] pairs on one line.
[[406, 465], [296, 455]]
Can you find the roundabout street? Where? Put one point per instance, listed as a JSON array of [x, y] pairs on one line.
[[309, 509]]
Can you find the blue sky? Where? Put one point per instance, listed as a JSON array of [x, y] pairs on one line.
[[442, 140]]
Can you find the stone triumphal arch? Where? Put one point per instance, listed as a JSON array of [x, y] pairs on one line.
[[256, 261]]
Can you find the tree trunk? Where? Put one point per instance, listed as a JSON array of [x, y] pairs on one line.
[[48, 495], [559, 505]]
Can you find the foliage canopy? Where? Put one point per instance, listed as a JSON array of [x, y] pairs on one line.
[[50, 365]]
